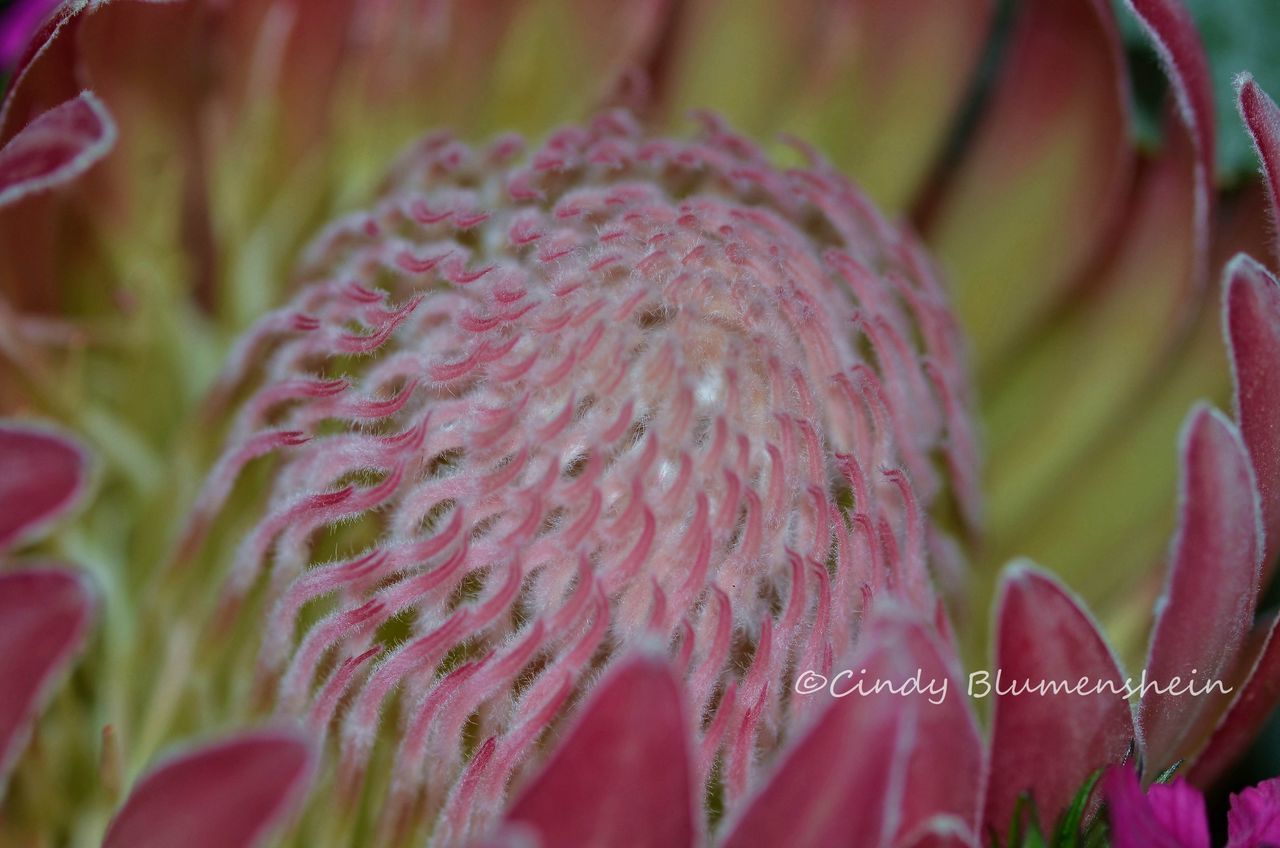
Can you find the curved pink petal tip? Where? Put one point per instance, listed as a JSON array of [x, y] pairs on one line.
[[41, 473], [1263, 120], [1212, 588], [623, 775], [1251, 313], [228, 794], [55, 148], [1048, 743], [44, 616], [1174, 33]]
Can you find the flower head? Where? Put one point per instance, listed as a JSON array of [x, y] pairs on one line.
[[530, 410]]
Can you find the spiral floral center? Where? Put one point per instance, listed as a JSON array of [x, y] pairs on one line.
[[530, 411]]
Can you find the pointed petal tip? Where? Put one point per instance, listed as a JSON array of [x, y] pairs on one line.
[[1213, 580], [1262, 119], [45, 475], [234, 791], [45, 617], [56, 148], [623, 773], [1042, 632]]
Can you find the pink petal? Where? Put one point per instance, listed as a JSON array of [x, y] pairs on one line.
[[1044, 180], [622, 776], [228, 794], [946, 732], [1239, 726], [942, 832], [44, 616], [1167, 816], [1212, 587], [55, 148], [1048, 744], [871, 764], [1251, 313], [1051, 407], [43, 473], [903, 68], [1263, 120], [1254, 817], [1174, 33]]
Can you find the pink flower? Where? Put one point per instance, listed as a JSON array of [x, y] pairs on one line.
[[541, 492], [1172, 815]]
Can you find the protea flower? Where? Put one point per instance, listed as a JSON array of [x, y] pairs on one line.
[[549, 488]]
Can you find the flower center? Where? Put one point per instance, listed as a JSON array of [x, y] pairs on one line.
[[531, 411]]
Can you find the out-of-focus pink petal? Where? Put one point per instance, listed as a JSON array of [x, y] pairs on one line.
[[768, 43], [1167, 816], [1045, 177], [902, 68], [1042, 742], [232, 792], [1051, 408], [41, 474], [44, 616], [830, 72], [55, 148], [860, 770], [1254, 817], [942, 832], [1212, 586], [1262, 117], [623, 774], [1251, 314], [1176, 39]]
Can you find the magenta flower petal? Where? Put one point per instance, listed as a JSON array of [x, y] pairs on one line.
[[1263, 120], [228, 793], [622, 776], [1212, 587], [44, 74], [1251, 312], [1049, 743], [1254, 817], [55, 148], [18, 23], [1167, 816], [44, 616], [43, 474]]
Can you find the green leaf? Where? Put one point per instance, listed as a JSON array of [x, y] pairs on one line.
[[1167, 775], [1025, 815], [1067, 833]]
